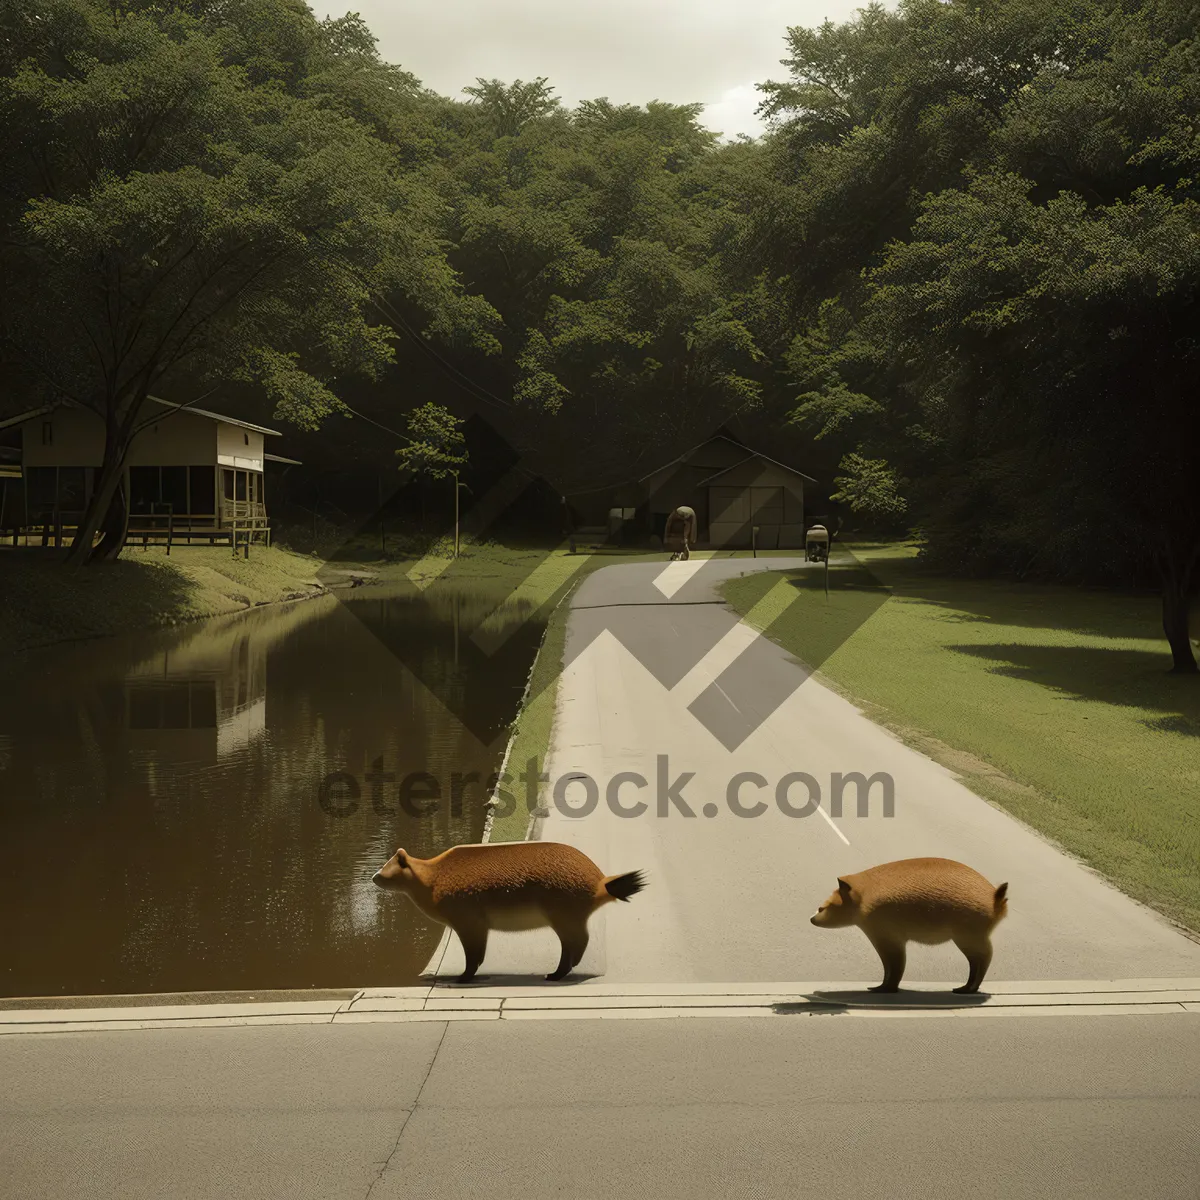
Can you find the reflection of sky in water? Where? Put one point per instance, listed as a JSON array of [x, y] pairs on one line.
[[189, 764]]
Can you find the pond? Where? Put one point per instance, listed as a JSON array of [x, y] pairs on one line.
[[202, 809]]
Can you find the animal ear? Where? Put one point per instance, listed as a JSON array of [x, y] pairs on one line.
[[401, 858], [843, 886]]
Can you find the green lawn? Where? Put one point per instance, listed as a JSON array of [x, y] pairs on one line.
[[1054, 703]]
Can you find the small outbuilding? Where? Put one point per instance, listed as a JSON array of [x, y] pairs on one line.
[[740, 496]]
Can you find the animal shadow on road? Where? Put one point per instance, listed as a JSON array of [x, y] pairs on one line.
[[530, 980], [834, 1003]]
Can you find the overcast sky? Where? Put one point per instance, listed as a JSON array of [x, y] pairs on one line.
[[682, 51]]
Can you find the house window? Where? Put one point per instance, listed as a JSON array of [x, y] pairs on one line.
[[227, 484], [145, 488], [239, 485], [174, 489], [247, 437], [151, 489], [47, 433], [72, 490], [203, 497], [42, 483]]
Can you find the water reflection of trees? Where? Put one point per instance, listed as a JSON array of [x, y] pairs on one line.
[[158, 857]]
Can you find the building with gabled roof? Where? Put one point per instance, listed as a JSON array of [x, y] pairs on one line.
[[199, 471]]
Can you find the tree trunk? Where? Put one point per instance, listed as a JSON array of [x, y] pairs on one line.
[[108, 481], [1177, 597], [118, 434], [115, 527]]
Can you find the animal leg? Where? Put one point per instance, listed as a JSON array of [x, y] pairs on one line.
[[893, 956], [474, 937], [979, 958], [573, 934]]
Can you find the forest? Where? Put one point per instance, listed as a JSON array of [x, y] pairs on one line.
[[957, 279]]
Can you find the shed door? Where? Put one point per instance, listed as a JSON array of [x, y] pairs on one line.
[[729, 504], [729, 517], [766, 503]]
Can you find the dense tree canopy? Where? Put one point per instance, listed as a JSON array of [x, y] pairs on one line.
[[962, 264]]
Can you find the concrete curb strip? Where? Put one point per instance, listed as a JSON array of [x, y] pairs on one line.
[[601, 1001]]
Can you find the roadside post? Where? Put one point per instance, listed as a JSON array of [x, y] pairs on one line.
[[457, 485]]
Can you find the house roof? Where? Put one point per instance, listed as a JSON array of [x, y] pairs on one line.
[[292, 462], [726, 438], [717, 437], [765, 458], [204, 412], [28, 415]]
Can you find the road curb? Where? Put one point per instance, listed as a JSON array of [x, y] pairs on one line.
[[592, 1001]]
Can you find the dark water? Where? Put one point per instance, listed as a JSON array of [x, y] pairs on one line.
[[161, 816]]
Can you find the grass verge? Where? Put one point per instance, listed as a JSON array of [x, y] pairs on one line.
[[1053, 703], [532, 729]]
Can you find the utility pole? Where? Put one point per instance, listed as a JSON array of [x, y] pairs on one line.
[[457, 485]]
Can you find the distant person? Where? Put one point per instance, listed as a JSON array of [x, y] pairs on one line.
[[679, 536]]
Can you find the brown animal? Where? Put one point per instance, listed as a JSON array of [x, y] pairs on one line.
[[927, 900], [509, 886]]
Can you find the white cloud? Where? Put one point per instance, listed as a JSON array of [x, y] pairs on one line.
[[681, 51], [734, 113]]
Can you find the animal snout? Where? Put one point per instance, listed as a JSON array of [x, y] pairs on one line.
[[377, 879]]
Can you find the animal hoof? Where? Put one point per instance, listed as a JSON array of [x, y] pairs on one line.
[[966, 990], [883, 987]]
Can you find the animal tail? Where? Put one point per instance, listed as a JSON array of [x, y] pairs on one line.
[[1002, 899], [621, 887]]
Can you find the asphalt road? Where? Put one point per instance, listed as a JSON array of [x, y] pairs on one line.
[[758, 1107], [662, 680]]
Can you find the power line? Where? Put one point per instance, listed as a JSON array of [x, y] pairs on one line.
[[370, 420], [464, 381]]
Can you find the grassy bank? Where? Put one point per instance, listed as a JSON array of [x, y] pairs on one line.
[[531, 731], [1053, 703], [44, 601]]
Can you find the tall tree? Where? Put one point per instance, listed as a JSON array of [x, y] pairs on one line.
[[1052, 316], [177, 212]]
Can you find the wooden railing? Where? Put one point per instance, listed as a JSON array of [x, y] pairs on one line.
[[243, 510]]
